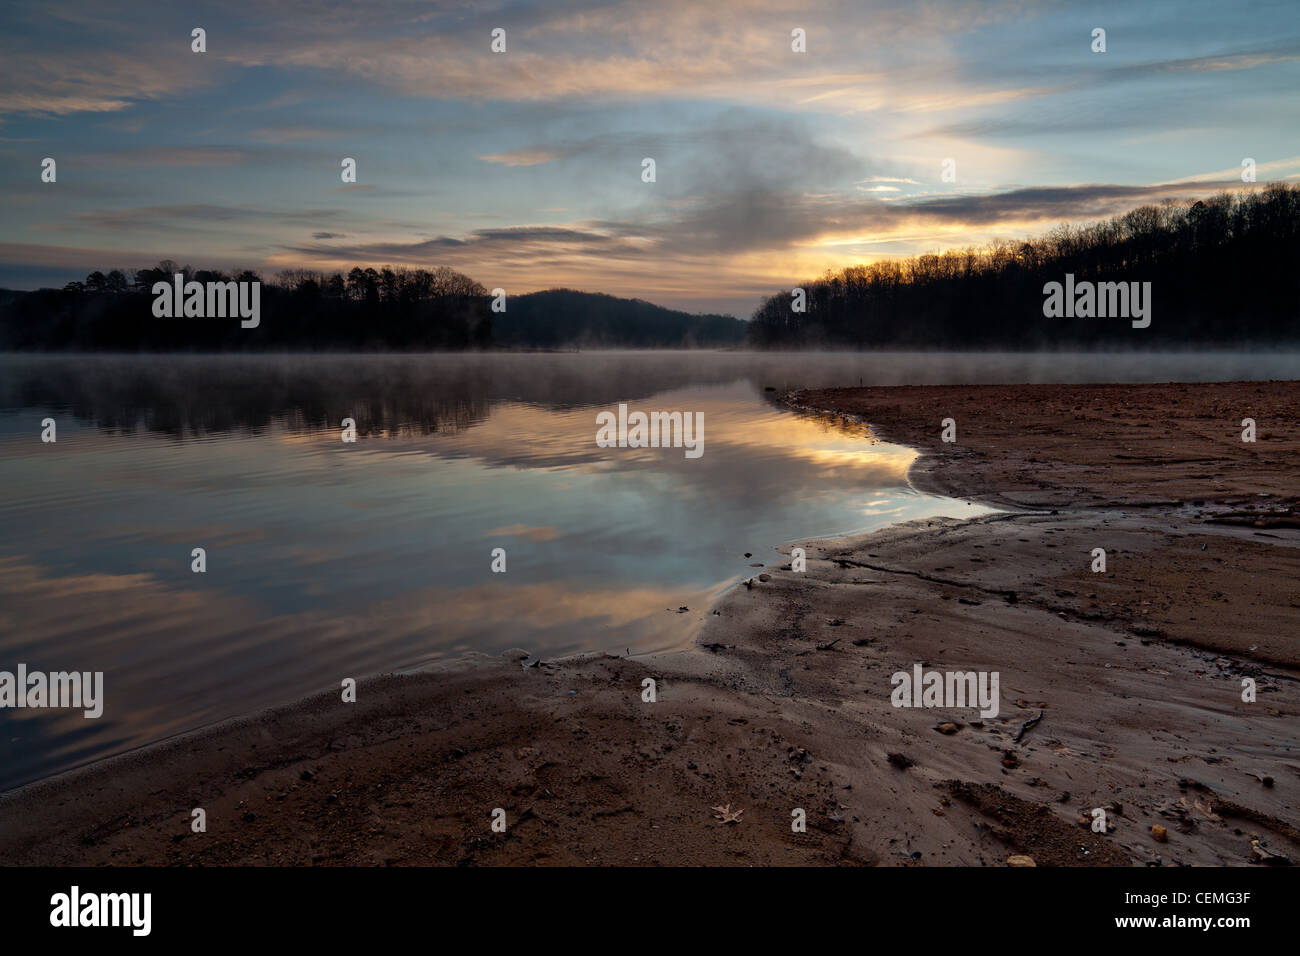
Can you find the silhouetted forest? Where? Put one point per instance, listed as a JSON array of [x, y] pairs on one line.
[[1222, 271], [365, 310]]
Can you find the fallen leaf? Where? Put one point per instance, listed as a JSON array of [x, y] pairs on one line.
[[727, 815]]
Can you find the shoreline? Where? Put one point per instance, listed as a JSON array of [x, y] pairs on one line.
[[784, 701]]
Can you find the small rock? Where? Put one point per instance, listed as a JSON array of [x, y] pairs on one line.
[[1019, 860], [1159, 833], [1266, 855]]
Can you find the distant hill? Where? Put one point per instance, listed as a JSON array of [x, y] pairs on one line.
[[558, 318]]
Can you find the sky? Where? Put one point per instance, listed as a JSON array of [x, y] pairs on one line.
[[524, 168]]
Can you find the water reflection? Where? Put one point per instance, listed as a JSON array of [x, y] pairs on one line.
[[328, 560]]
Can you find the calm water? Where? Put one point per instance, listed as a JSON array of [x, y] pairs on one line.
[[327, 560]]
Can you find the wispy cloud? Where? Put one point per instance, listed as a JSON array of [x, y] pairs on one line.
[[522, 157]]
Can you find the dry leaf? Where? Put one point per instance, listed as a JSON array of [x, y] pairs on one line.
[[727, 815]]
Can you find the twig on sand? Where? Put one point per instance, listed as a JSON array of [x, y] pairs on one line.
[[1028, 725]]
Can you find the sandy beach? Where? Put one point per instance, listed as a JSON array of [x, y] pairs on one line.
[[1135, 675]]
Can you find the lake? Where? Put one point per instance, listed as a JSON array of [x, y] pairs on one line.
[[328, 559]]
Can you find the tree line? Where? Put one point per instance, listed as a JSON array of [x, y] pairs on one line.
[[366, 309], [1223, 273]]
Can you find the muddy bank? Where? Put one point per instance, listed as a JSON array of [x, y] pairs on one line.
[[1135, 674], [1067, 446]]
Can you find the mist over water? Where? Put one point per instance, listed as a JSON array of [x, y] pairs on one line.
[[328, 560], [183, 393]]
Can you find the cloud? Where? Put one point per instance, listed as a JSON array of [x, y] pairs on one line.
[[1232, 173], [196, 214], [522, 157], [62, 77], [513, 241], [737, 50], [172, 156], [1215, 63], [59, 104], [529, 533], [279, 134]]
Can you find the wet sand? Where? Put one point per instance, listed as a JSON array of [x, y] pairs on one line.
[[1136, 673]]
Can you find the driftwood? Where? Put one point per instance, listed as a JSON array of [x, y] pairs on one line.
[[1028, 725]]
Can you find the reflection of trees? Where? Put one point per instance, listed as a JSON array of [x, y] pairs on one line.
[[194, 394], [1222, 271], [185, 395]]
